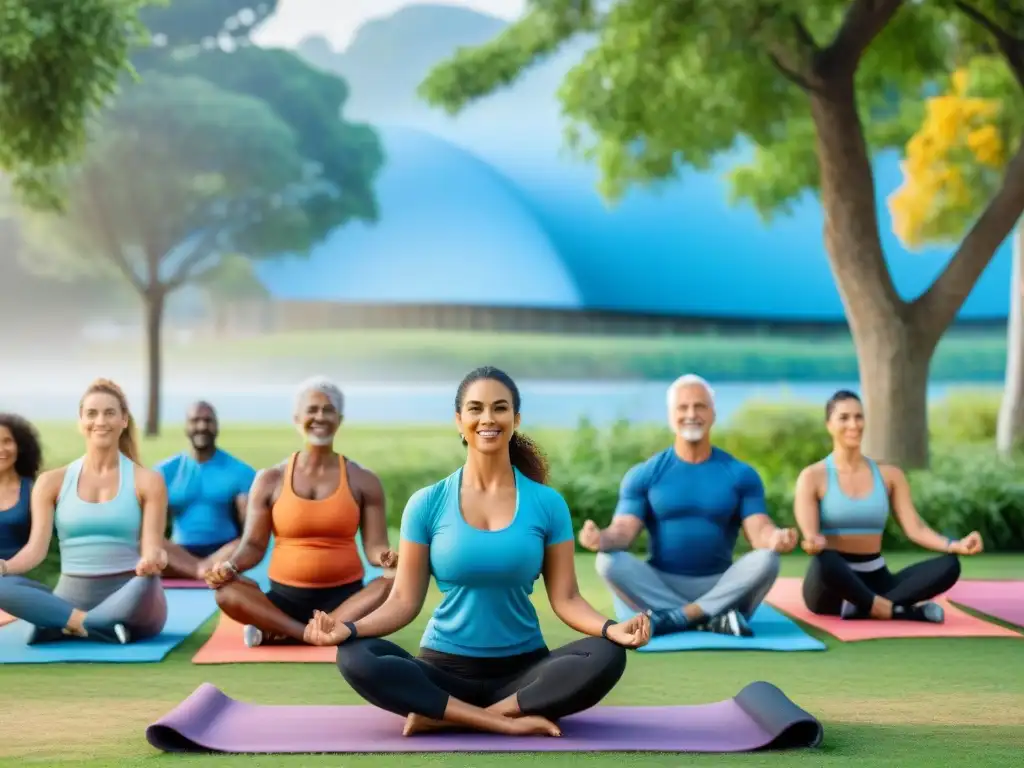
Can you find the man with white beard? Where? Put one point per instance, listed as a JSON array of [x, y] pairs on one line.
[[315, 503], [693, 499]]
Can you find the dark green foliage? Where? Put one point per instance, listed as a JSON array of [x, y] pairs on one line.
[[60, 63]]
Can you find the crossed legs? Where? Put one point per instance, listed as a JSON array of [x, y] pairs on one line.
[[689, 601], [94, 606], [281, 615], [567, 680], [831, 581]]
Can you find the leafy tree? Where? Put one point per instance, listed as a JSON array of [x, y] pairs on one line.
[[60, 62], [181, 173], [814, 89], [955, 164]]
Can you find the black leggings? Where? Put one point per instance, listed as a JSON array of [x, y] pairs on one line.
[[830, 580], [552, 684]]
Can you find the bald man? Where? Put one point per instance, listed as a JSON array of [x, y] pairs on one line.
[[693, 499], [207, 493]]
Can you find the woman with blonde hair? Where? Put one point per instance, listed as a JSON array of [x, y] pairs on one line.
[[110, 515]]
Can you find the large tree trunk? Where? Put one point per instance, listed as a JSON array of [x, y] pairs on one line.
[[154, 300], [893, 354], [1011, 413]]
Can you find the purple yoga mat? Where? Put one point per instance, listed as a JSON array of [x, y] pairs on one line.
[[759, 717]]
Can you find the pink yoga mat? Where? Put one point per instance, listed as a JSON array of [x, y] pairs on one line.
[[1003, 600], [226, 646], [786, 596]]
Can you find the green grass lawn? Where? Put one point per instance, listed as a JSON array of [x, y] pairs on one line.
[[931, 702], [742, 356]]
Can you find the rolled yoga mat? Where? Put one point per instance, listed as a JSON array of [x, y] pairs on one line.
[[1003, 600], [187, 609], [772, 632], [787, 596], [759, 717]]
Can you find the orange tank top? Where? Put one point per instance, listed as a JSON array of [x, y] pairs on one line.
[[315, 540]]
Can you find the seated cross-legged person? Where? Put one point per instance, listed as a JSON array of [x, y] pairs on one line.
[[207, 493], [315, 504], [693, 500], [485, 533], [109, 515], [842, 505]]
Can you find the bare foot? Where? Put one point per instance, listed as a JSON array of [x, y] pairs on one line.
[[532, 725], [505, 709], [419, 724]]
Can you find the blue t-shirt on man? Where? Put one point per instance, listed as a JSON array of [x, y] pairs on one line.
[[692, 511], [486, 577], [201, 497]]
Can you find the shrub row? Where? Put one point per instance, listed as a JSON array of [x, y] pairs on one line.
[[967, 487]]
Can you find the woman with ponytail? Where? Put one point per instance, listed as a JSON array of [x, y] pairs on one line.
[[486, 533], [110, 514]]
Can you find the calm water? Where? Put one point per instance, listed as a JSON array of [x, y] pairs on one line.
[[545, 403]]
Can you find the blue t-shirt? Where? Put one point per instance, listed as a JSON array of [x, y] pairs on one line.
[[486, 577], [692, 512], [201, 497]]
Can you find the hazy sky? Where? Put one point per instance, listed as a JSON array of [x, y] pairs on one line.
[[338, 19]]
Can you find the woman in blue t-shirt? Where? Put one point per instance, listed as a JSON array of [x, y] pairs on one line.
[[485, 534]]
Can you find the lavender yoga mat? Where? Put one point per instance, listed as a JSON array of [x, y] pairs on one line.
[[759, 717]]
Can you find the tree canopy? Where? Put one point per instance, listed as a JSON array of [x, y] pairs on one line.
[[169, 183], [348, 155], [956, 160], [60, 63], [801, 94], [670, 86]]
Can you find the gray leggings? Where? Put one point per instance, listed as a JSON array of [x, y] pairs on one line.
[[137, 602]]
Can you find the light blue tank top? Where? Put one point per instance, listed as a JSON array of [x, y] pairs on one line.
[[841, 514], [98, 539]]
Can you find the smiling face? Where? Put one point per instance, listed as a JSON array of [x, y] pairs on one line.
[[102, 420], [691, 412], [8, 450], [846, 423], [487, 417], [317, 419], [201, 427]]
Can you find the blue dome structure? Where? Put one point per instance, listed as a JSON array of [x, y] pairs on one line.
[[508, 226], [451, 230]]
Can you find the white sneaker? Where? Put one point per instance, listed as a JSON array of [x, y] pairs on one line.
[[252, 636]]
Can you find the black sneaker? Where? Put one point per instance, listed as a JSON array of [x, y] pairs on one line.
[[668, 621], [729, 623]]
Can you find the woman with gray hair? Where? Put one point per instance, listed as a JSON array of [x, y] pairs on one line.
[[315, 504]]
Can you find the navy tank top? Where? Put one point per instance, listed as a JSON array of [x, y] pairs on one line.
[[16, 522]]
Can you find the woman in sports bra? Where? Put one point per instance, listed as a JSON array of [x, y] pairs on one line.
[[109, 514], [315, 504], [21, 458], [842, 506]]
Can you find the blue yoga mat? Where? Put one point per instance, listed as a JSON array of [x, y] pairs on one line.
[[772, 632], [187, 609]]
